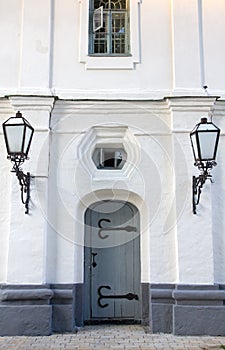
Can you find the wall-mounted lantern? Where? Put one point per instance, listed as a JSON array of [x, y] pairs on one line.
[[204, 141], [18, 134]]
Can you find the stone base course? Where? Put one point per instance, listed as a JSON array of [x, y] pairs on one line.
[[166, 308]]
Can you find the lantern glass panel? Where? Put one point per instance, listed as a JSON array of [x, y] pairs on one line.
[[27, 140], [14, 136], [194, 145], [207, 142]]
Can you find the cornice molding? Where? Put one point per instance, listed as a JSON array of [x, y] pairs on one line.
[[32, 102]]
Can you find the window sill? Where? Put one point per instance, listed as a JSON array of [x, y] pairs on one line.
[[109, 62], [107, 55]]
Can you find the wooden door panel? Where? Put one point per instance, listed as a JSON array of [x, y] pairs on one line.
[[114, 261]]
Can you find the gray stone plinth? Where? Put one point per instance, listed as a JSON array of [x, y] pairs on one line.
[[199, 320], [25, 320]]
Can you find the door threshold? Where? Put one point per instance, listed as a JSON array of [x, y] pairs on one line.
[[111, 321]]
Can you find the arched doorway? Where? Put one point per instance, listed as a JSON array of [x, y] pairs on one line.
[[112, 289]]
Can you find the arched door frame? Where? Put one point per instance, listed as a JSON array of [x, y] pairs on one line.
[[137, 201]]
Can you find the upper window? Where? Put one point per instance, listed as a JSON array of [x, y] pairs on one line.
[[109, 27]]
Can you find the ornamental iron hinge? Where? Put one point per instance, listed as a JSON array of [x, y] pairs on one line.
[[128, 296]]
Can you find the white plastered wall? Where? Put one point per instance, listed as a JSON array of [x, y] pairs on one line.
[[5, 193], [176, 246], [23, 236], [217, 198], [194, 236]]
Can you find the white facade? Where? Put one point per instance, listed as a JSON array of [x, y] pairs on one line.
[[148, 102], [175, 50]]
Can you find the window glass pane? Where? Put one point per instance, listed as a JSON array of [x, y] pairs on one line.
[[109, 158], [98, 19], [100, 43], [118, 4], [96, 4], [110, 4], [101, 37], [104, 3], [118, 33]]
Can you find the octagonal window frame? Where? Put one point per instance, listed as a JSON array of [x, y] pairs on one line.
[[110, 137]]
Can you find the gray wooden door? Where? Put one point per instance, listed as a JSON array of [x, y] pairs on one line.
[[112, 262]]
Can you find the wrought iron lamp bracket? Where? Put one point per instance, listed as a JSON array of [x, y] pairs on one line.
[[198, 182], [24, 181]]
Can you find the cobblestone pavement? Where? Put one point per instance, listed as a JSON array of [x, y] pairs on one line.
[[112, 337]]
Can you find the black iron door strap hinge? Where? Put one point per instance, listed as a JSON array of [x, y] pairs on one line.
[[128, 296], [110, 228]]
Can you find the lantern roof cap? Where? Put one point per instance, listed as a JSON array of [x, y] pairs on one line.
[[17, 120]]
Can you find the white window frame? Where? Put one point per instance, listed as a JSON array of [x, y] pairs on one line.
[[106, 40], [110, 62]]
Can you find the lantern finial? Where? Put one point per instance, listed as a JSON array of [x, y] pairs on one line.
[[18, 114], [203, 120]]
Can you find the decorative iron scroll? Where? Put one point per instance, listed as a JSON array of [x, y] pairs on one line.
[[126, 228], [128, 296]]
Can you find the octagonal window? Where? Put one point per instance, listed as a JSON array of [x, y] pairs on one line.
[[109, 158]]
